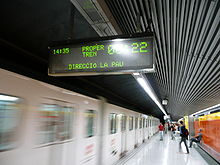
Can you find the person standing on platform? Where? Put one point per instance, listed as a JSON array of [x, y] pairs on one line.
[[172, 128], [166, 128], [161, 129], [184, 136]]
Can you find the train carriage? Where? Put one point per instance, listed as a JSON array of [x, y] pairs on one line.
[[44, 124]]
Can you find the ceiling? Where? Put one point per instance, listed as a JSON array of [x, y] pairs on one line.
[[187, 56], [188, 47]]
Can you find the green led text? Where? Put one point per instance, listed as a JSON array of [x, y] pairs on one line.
[[136, 47], [91, 51], [139, 47], [61, 51], [92, 48], [94, 65], [103, 65], [82, 66], [89, 54], [117, 64]]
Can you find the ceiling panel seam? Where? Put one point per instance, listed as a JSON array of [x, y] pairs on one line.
[[196, 74]]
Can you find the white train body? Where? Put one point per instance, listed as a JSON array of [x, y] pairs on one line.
[[47, 125]]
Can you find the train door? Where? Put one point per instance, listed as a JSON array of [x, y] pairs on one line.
[[123, 134], [140, 131], [89, 142], [61, 132], [151, 127], [144, 131], [147, 127], [136, 132]]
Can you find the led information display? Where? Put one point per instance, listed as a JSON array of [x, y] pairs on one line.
[[124, 55]]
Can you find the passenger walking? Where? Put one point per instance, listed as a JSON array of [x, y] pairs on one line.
[[172, 128], [176, 128], [166, 128], [161, 129], [196, 138], [184, 136]]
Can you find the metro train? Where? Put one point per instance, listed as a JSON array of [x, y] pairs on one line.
[[41, 124], [209, 122]]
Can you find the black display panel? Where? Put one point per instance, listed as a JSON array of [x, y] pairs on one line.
[[113, 56]]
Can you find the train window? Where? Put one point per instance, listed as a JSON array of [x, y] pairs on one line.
[[123, 123], [10, 118], [48, 122], [66, 123], [215, 111], [140, 123], [143, 122], [136, 123], [113, 123], [55, 123], [131, 123], [90, 124]]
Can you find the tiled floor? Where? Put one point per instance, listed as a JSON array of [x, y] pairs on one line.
[[164, 152]]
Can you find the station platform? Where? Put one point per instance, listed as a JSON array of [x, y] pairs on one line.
[[166, 152]]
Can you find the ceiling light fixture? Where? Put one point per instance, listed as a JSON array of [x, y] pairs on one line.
[[136, 74], [164, 101], [8, 98], [149, 90], [205, 110], [117, 39]]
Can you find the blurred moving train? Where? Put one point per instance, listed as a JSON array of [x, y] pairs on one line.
[[41, 124], [209, 122]]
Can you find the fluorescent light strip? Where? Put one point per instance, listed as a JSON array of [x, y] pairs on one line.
[[118, 40], [205, 109], [146, 86], [136, 74], [8, 98]]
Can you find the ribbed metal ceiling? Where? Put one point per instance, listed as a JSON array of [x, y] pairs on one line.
[[187, 36]]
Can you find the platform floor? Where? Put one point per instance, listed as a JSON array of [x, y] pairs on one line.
[[166, 152]]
